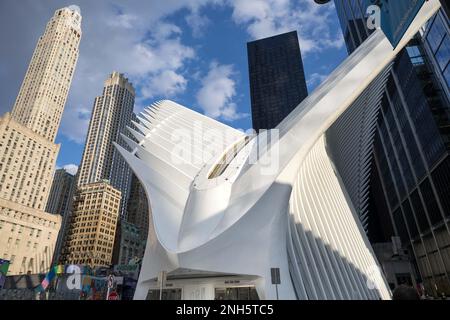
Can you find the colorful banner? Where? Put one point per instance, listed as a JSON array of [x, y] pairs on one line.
[[47, 280], [58, 271], [4, 266], [93, 288]]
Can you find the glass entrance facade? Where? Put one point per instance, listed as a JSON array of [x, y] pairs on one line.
[[167, 294], [410, 185], [237, 293]]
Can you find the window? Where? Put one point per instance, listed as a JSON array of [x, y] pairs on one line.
[[401, 227], [443, 53], [437, 32], [421, 215], [31, 265], [446, 75], [415, 55], [430, 202], [441, 176]]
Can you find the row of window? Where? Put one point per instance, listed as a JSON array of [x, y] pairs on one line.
[[26, 217], [28, 265], [17, 244], [438, 38]]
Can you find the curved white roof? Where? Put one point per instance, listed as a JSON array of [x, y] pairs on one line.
[[295, 215]]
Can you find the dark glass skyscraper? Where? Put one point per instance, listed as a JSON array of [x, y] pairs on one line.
[[410, 185], [60, 202], [277, 79], [446, 7]]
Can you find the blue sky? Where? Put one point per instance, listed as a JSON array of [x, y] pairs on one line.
[[192, 52]]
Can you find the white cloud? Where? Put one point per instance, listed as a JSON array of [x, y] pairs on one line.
[[316, 79], [135, 38], [198, 23], [158, 56], [265, 18], [76, 122], [168, 83], [137, 41], [158, 64], [123, 21], [164, 30], [217, 93], [230, 112], [71, 168]]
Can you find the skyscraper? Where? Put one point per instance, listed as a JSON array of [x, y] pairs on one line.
[[277, 79], [30, 130], [40, 103], [436, 43], [61, 192], [410, 182], [446, 7], [132, 233], [102, 166], [93, 222], [138, 210], [60, 203], [112, 112], [128, 243], [27, 148]]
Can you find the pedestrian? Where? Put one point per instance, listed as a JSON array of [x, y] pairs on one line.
[[404, 292]]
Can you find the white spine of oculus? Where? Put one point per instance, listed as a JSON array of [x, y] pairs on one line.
[[239, 218]]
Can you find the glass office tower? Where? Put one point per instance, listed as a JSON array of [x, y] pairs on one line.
[[410, 183], [277, 79], [446, 7], [437, 46]]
